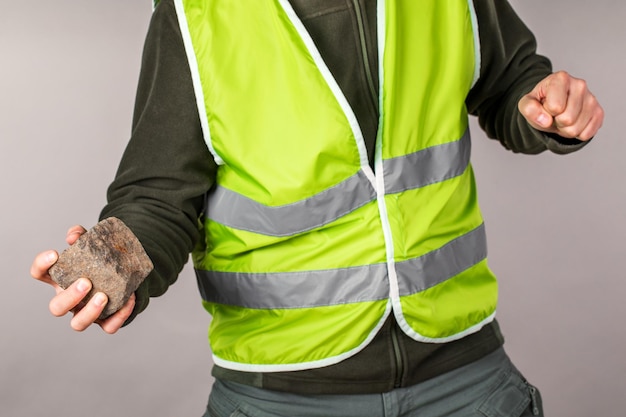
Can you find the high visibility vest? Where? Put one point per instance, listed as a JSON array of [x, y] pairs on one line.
[[308, 249]]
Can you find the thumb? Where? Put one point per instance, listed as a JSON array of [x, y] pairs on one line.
[[531, 107]]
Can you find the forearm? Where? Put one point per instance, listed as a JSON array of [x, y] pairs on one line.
[[510, 68], [166, 168]]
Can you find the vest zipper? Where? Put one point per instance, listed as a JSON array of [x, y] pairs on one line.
[[366, 59], [395, 342]]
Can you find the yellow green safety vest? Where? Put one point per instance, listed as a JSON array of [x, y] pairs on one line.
[[308, 249]]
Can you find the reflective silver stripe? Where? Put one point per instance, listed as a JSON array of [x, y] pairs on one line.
[[428, 166], [433, 268], [342, 286], [295, 289], [237, 211], [418, 169]]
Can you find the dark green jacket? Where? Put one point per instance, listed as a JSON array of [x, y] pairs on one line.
[[167, 169]]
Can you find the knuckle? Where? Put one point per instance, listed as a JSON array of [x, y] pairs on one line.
[[592, 102], [41, 264], [77, 326], [554, 107], [565, 120], [570, 132], [55, 309], [525, 111], [79, 322], [109, 328], [35, 271], [526, 108], [600, 114], [579, 85], [561, 75]]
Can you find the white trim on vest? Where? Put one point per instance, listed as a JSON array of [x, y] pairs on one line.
[[477, 51], [334, 87], [394, 290], [195, 77], [301, 366]]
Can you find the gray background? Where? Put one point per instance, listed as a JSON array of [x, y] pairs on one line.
[[67, 80]]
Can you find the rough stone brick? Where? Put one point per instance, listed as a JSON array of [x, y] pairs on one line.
[[111, 257]]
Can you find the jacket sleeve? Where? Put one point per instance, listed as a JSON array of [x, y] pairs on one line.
[[166, 168], [510, 68]]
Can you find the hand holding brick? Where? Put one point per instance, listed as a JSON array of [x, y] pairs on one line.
[[111, 257]]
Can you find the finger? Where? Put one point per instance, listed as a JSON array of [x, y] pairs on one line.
[[556, 91], [74, 233], [533, 111], [573, 129], [578, 111], [69, 298], [41, 265], [89, 313], [583, 115], [114, 322], [594, 124]]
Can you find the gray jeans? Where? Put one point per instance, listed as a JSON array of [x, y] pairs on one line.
[[489, 387]]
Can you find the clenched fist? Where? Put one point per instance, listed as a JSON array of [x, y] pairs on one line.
[[563, 105]]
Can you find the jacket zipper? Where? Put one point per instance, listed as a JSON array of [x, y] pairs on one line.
[[364, 53], [533, 400], [395, 341]]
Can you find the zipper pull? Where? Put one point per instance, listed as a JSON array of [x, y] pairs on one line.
[[533, 400]]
